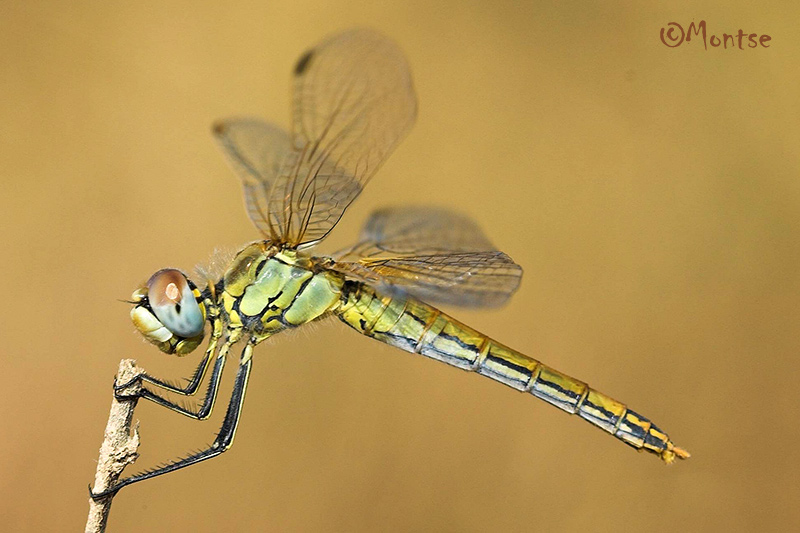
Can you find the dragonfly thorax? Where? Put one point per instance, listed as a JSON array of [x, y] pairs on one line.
[[267, 289]]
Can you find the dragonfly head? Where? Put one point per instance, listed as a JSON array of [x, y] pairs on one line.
[[169, 311]]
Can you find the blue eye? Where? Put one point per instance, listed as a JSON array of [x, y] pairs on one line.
[[174, 303]]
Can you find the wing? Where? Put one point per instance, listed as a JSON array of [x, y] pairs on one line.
[[256, 150], [353, 102], [434, 254]]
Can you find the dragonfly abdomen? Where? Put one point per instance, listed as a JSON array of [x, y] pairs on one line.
[[415, 326]]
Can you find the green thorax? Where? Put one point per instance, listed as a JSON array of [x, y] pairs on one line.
[[266, 290]]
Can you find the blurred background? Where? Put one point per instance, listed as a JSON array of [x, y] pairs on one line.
[[650, 193]]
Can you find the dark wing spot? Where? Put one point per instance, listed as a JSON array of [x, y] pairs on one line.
[[302, 63], [219, 128]]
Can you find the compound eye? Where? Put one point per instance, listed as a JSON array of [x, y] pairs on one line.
[[174, 304]]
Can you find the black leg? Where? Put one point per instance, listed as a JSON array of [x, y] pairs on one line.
[[224, 438], [194, 382], [204, 411], [201, 413]]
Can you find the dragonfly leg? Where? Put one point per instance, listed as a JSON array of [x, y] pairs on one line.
[[194, 382], [221, 443], [204, 411]]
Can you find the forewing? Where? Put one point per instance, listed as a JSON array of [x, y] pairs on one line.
[[256, 150], [353, 102], [434, 254]]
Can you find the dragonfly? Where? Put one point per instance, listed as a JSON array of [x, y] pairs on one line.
[[353, 101]]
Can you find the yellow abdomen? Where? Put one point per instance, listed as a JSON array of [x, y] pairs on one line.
[[417, 327]]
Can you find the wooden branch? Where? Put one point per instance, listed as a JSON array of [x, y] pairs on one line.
[[119, 448]]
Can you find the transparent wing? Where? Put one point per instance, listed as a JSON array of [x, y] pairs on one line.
[[353, 102], [434, 254], [256, 150]]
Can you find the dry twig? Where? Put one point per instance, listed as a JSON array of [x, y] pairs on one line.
[[119, 448]]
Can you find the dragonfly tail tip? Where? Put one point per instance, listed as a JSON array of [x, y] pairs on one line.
[[672, 452], [681, 453]]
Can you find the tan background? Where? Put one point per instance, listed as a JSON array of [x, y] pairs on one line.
[[651, 194]]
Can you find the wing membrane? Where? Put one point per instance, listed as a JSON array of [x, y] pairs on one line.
[[353, 102], [433, 254], [256, 150]]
